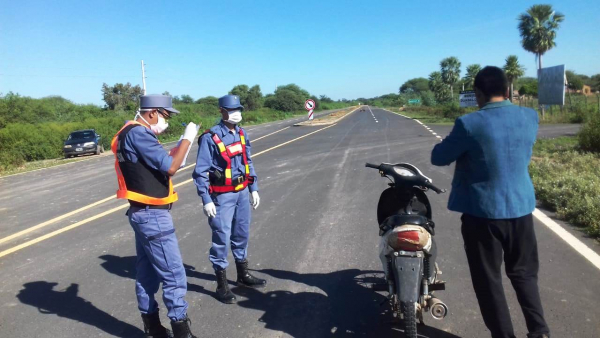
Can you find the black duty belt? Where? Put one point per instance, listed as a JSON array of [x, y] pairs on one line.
[[143, 206], [214, 180]]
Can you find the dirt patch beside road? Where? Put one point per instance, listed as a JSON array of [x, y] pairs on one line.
[[328, 119]]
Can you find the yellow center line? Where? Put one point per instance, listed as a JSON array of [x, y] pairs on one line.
[[273, 133], [56, 219], [288, 142], [108, 212]]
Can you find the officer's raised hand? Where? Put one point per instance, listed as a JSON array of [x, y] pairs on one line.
[[254, 200], [191, 130]]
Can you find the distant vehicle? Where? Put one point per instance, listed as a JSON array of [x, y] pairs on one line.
[[82, 142]]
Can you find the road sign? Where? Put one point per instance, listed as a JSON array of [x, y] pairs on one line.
[[414, 101], [551, 87], [467, 98], [309, 104]]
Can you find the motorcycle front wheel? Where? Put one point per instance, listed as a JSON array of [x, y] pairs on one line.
[[409, 315]]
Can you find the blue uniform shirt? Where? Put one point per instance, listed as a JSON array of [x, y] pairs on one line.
[[141, 143], [209, 159]]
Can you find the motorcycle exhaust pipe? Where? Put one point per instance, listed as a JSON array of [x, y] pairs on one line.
[[437, 308]]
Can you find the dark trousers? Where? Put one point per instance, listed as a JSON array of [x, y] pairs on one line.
[[487, 243]]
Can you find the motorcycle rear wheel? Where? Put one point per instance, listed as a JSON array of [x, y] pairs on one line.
[[409, 315]]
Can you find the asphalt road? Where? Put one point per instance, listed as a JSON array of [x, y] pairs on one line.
[[314, 237]]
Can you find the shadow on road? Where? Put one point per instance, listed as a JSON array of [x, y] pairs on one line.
[[125, 267], [69, 305], [346, 308]]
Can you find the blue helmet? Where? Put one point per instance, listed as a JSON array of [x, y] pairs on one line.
[[230, 102]]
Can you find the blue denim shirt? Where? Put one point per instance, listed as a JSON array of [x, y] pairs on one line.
[[209, 159], [492, 148]]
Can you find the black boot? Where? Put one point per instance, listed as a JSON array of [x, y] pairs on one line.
[[244, 277], [181, 328], [223, 293], [153, 328]]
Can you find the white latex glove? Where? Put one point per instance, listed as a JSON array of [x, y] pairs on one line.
[[191, 130], [254, 200], [210, 210]]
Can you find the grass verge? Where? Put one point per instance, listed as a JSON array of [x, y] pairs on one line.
[[567, 180]]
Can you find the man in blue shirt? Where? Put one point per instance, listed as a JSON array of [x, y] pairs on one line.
[[144, 171], [492, 188], [227, 185]]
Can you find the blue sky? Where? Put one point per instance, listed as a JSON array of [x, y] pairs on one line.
[[344, 49]]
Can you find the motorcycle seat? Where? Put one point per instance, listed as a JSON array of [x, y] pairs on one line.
[[397, 220]]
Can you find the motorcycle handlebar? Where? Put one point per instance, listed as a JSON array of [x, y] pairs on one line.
[[434, 188], [417, 180]]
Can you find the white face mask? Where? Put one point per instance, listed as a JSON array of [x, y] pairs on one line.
[[235, 117], [157, 128]]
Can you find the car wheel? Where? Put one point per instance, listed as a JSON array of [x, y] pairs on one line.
[[101, 149], [97, 151], [67, 156]]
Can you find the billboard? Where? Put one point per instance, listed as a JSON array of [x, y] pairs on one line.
[[467, 98], [551, 86]]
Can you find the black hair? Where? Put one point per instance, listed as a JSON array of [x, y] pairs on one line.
[[491, 81]]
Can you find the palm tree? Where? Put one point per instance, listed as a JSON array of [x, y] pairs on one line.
[[450, 72], [438, 87], [469, 78], [513, 71], [538, 28]]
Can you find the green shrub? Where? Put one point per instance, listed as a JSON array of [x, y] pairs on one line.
[[569, 182], [589, 136], [428, 98]]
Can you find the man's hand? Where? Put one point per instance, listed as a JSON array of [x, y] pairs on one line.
[[191, 130], [210, 210], [254, 200]]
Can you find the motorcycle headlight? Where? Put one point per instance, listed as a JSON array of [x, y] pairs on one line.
[[88, 144], [68, 146]]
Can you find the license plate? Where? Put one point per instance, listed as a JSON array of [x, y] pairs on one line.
[[78, 149]]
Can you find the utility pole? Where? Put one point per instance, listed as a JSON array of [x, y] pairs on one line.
[[143, 78]]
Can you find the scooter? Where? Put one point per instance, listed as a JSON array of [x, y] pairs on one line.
[[407, 247]]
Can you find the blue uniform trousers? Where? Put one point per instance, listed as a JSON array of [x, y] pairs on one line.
[[158, 260], [230, 225]]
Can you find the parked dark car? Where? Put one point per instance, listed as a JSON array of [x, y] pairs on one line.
[[82, 142]]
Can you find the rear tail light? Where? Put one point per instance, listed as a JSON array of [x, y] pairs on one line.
[[409, 238]]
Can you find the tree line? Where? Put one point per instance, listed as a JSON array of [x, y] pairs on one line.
[[537, 27]]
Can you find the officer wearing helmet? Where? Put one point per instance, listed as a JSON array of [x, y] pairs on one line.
[[144, 171], [227, 185]]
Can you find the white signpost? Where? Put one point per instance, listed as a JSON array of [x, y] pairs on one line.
[[310, 105], [467, 98]]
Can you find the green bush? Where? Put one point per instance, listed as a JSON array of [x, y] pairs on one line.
[[589, 136], [568, 182], [428, 98]]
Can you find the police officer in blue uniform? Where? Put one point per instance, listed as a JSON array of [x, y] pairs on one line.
[[227, 185], [143, 170]]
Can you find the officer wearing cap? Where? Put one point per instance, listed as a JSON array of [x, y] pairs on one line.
[[144, 171], [227, 185]]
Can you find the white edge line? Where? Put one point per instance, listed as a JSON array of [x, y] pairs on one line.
[[575, 243]]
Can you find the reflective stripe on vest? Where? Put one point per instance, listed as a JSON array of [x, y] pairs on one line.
[[123, 193], [227, 152]]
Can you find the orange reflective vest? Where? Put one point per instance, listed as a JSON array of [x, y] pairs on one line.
[[137, 181], [227, 152]]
